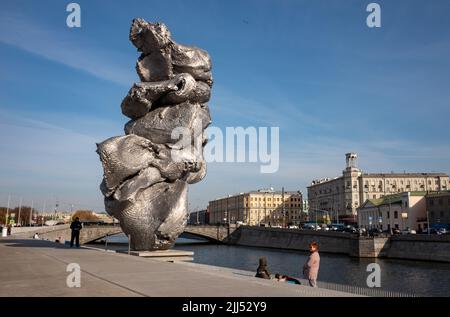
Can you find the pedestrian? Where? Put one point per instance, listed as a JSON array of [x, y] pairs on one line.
[[262, 271], [36, 236], [8, 230], [311, 267], [76, 227]]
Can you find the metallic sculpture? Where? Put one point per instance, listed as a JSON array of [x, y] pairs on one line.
[[146, 172]]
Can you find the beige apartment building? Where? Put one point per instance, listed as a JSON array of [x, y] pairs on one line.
[[258, 207], [341, 196], [438, 207], [400, 211]]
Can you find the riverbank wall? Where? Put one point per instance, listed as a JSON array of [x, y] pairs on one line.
[[412, 247]]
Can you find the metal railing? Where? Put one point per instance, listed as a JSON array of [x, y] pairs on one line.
[[357, 290]]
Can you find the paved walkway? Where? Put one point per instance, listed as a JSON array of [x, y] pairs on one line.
[[38, 268]]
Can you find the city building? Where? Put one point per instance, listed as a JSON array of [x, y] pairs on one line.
[[268, 207], [199, 217], [342, 196], [106, 218], [401, 211], [438, 207]]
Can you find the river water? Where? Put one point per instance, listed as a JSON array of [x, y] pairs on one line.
[[413, 277]]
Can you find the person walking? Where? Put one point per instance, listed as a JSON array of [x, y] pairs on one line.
[[262, 270], [76, 227], [311, 267]]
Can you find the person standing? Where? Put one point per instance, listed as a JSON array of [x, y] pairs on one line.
[[76, 227], [311, 267]]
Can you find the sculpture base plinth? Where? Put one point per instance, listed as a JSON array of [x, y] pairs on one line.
[[164, 255]]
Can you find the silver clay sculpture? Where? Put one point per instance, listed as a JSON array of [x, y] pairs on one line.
[[146, 172]]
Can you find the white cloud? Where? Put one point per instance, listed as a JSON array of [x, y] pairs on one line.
[[56, 46]]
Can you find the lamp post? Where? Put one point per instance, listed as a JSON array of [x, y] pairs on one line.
[[428, 224], [7, 211], [31, 212], [20, 208]]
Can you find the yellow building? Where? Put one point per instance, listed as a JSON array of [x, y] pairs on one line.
[[259, 207]]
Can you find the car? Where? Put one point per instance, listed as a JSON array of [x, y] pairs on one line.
[[310, 226], [442, 231], [375, 231], [350, 229], [293, 227], [337, 227]]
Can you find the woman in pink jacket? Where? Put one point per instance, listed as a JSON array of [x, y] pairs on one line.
[[311, 267]]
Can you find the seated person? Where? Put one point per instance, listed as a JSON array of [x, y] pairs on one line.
[[287, 279], [262, 270]]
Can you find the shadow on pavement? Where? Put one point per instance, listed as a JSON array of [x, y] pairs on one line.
[[31, 243]]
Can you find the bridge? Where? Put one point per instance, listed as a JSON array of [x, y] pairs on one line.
[[91, 233]]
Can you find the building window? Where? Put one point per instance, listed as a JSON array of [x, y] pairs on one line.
[[395, 214], [374, 196], [440, 202], [388, 215]]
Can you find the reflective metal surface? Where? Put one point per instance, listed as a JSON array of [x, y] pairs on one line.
[[146, 172]]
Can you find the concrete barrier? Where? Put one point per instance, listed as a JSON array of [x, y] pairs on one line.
[[295, 239], [30, 231], [420, 247], [413, 247]]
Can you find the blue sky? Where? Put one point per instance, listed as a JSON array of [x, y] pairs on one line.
[[311, 67]]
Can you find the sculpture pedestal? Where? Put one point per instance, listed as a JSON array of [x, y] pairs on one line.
[[164, 255]]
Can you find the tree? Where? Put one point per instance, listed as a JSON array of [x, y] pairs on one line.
[[85, 215], [24, 215]]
